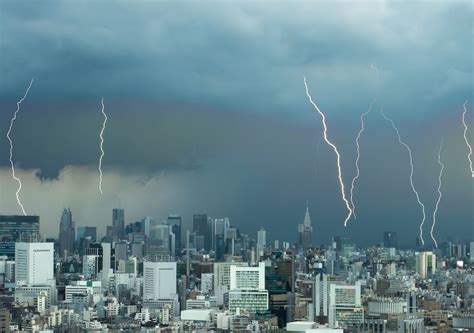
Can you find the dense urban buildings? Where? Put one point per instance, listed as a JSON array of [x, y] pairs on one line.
[[150, 276]]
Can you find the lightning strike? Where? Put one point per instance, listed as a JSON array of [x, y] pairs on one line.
[[325, 135], [376, 71], [440, 194], [18, 180], [362, 128], [102, 153], [466, 140], [411, 173]]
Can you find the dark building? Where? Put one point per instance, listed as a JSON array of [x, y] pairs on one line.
[[305, 232], [67, 234], [220, 247], [175, 223], [134, 228], [390, 239], [84, 232], [118, 221], [203, 227], [16, 228]]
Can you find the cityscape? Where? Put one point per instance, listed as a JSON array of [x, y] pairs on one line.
[[265, 166]]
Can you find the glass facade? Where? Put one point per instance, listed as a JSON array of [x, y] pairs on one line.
[[17, 228]]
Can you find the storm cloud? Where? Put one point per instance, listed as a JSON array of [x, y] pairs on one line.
[[207, 110]]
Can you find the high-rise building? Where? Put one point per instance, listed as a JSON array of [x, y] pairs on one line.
[[118, 221], [161, 233], [67, 234], [17, 228], [34, 263], [247, 289], [390, 239], [345, 305], [175, 224], [261, 239], [305, 231], [159, 280], [425, 264], [84, 232], [202, 226], [121, 251]]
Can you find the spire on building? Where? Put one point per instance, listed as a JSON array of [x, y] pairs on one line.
[[307, 218]]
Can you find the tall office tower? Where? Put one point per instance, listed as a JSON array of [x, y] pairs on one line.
[[146, 222], [34, 263], [320, 297], [220, 247], [17, 228], [161, 233], [220, 227], [425, 264], [118, 221], [106, 262], [84, 232], [345, 305], [247, 289], [390, 239], [121, 251], [175, 223], [305, 231], [261, 239], [159, 280], [67, 234], [202, 227]]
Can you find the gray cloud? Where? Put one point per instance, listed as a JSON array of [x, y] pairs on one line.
[[206, 101]]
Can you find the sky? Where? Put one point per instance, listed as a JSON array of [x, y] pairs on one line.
[[207, 112]]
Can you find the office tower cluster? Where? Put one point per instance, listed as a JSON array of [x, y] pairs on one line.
[[205, 274]]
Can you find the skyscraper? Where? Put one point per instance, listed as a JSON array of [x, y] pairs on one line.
[[34, 263], [305, 231], [390, 239], [67, 234], [118, 222], [261, 242], [175, 223], [17, 228], [425, 264], [203, 227]]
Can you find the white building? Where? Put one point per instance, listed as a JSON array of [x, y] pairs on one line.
[[247, 278], [425, 264], [247, 289], [34, 263], [159, 280], [29, 294], [222, 273], [89, 291], [345, 305]]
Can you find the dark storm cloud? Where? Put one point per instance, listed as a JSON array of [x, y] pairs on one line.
[[212, 91]]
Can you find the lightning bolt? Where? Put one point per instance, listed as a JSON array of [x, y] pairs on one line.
[[325, 135], [376, 71], [440, 195], [102, 153], [411, 173], [362, 128], [465, 138], [11, 147]]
